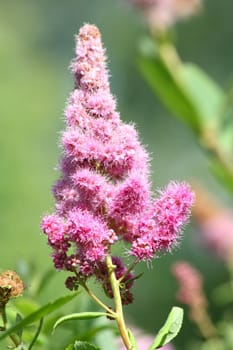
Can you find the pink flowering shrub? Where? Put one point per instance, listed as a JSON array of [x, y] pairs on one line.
[[103, 195]]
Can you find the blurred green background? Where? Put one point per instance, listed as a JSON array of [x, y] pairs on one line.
[[36, 46]]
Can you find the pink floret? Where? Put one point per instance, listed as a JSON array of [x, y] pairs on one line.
[[171, 212], [53, 227]]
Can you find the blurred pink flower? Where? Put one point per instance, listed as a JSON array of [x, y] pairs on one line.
[[161, 14], [215, 223], [143, 340], [190, 285], [218, 234], [191, 293]]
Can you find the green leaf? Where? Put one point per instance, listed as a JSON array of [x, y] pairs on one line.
[[132, 339], [26, 306], [38, 314], [225, 141], [94, 331], [78, 316], [105, 339], [222, 294], [207, 97], [170, 329], [81, 345], [44, 281], [165, 80], [20, 331], [224, 174], [183, 88]]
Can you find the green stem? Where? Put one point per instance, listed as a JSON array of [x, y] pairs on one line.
[[118, 304], [36, 334], [98, 301], [3, 315], [15, 339], [131, 267]]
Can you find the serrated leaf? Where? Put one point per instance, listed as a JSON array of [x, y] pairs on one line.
[[38, 314], [170, 329], [78, 316], [81, 345]]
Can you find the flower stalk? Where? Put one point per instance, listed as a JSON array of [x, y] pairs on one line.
[[115, 284], [98, 301]]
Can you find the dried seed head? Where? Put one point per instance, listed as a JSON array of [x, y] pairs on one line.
[[11, 286]]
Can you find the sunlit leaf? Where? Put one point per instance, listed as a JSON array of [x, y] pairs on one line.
[[78, 316], [205, 94], [170, 329]]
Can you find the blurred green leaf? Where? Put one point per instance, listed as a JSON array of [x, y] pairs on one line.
[[36, 335], [38, 314], [94, 330], [166, 84], [222, 294], [43, 282], [170, 329], [225, 138], [132, 340], [222, 173], [18, 318], [226, 330], [79, 316], [26, 305], [106, 339], [80, 345], [205, 94], [183, 88], [214, 344]]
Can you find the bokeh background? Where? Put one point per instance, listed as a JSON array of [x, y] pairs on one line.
[[36, 46]]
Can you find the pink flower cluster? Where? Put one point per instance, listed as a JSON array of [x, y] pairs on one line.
[[104, 193], [161, 14], [191, 285], [215, 223]]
